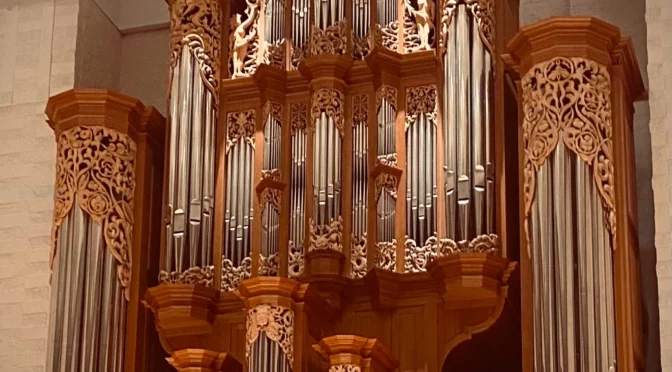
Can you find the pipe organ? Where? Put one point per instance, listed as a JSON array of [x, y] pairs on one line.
[[338, 195]]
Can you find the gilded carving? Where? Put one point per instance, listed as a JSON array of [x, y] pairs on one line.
[[360, 108], [484, 14], [418, 26], [420, 100], [240, 126], [197, 23], [193, 275], [232, 275], [295, 260], [329, 101], [569, 99], [326, 236], [331, 40], [386, 257], [276, 322], [358, 256], [244, 41], [95, 167], [299, 116], [387, 93], [345, 368]]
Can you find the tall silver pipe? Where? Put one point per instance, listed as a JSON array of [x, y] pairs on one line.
[[196, 170], [478, 130], [463, 123], [172, 166]]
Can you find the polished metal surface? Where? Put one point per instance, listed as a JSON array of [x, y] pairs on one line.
[[387, 11], [359, 178], [463, 77], [297, 224], [267, 356], [421, 179]]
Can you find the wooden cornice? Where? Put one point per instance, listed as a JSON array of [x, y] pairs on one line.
[[624, 57], [326, 71], [201, 360], [104, 107], [271, 82], [236, 91], [584, 37], [369, 354], [394, 69]]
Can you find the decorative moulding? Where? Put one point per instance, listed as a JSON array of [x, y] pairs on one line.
[[370, 355], [201, 360]]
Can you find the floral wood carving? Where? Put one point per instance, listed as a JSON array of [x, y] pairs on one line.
[[388, 183], [274, 109], [271, 174], [345, 368], [331, 40], [193, 275], [389, 94], [390, 160], [569, 98], [268, 266], [274, 55], [360, 46], [240, 126], [386, 257], [298, 55], [483, 12], [276, 322], [299, 116], [360, 108], [197, 23], [418, 26], [270, 197], [358, 256], [95, 167], [420, 100], [244, 41], [417, 257], [329, 101], [326, 236], [232, 275], [295, 260], [386, 36]]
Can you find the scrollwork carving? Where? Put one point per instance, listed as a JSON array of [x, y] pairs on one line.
[[390, 160], [197, 23], [484, 14], [299, 116], [417, 257], [360, 108], [270, 197], [240, 126], [345, 368], [268, 266], [360, 46], [274, 55], [274, 109], [329, 101], [420, 100], [232, 275], [295, 260], [244, 41], [298, 55], [387, 36], [95, 167], [388, 183], [358, 256], [389, 94], [326, 236], [271, 174], [276, 322], [569, 99], [386, 256], [418, 26], [193, 275], [331, 40], [480, 244]]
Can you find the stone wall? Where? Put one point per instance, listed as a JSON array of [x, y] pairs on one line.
[[37, 60]]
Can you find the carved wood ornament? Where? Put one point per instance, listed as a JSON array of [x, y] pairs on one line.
[[326, 236], [299, 116], [329, 101], [421, 100], [345, 368], [360, 108], [483, 12], [332, 40], [569, 98], [418, 26], [240, 126], [95, 167], [244, 41], [358, 256], [276, 322], [389, 94], [274, 109], [197, 23]]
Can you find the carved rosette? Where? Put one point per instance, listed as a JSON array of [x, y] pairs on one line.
[[389, 94], [232, 275], [388, 183], [197, 23], [299, 116], [268, 266], [244, 45], [569, 99], [240, 127], [360, 108], [390, 160], [345, 368], [484, 14], [276, 322], [329, 101], [386, 257], [274, 109], [358, 256], [193, 275], [420, 100], [332, 40], [295, 260], [95, 167], [418, 27], [326, 236]]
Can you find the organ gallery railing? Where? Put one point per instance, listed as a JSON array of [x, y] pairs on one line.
[[108, 158], [576, 99]]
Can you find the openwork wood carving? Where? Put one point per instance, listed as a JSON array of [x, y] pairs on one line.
[[232, 275], [390, 160], [244, 41], [95, 167], [358, 256], [569, 98], [268, 266], [274, 109], [345, 368], [274, 55], [295, 260], [386, 36], [361, 46], [484, 14], [240, 126], [326, 236], [270, 197], [417, 258], [193, 275], [418, 26], [299, 116], [389, 94], [388, 183], [197, 23], [420, 100], [360, 108], [386, 257], [329, 101], [332, 40], [276, 322]]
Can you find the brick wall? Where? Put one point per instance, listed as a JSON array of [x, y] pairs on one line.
[[37, 59], [659, 41]]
